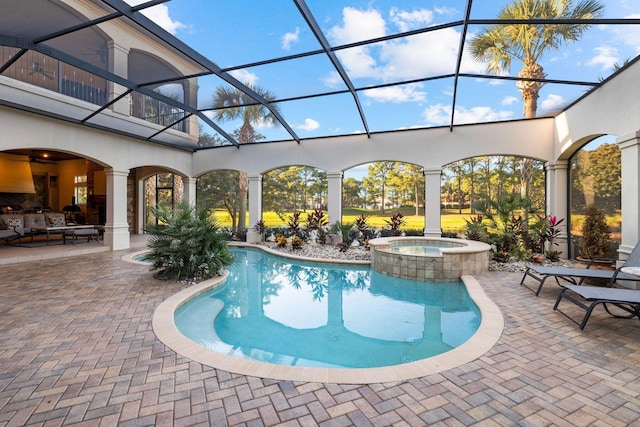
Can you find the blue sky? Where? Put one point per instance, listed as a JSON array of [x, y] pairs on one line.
[[239, 32]]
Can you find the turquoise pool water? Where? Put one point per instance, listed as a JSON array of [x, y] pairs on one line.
[[280, 311]]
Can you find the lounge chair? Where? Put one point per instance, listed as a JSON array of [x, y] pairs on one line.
[[576, 276], [625, 299]]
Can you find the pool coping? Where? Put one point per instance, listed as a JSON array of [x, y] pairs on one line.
[[487, 335]]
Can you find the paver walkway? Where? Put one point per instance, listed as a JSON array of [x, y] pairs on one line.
[[77, 348]]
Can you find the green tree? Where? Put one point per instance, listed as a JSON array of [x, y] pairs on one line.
[[607, 175], [500, 44], [219, 190], [378, 174], [352, 193], [231, 104], [407, 181], [293, 188]]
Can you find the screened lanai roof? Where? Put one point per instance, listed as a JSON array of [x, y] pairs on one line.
[[319, 68]]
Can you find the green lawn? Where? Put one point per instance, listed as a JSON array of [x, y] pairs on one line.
[[450, 219]]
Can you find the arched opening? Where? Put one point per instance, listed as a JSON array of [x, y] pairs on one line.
[[595, 177], [219, 190], [381, 189], [468, 183], [292, 189]]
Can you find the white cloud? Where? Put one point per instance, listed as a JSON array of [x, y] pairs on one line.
[[290, 38], [407, 93], [552, 103], [629, 34], [440, 114], [508, 100], [160, 15], [309, 125], [407, 21], [333, 80], [419, 56], [606, 57], [358, 25], [245, 77]]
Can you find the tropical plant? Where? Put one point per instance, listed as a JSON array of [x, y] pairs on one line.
[[475, 229], [281, 241], [595, 241], [230, 103], [364, 233], [260, 228], [346, 229], [500, 44], [186, 244], [296, 242], [316, 220], [395, 223], [506, 224], [294, 224], [552, 232]]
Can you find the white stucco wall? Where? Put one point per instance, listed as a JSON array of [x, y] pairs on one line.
[[612, 109], [426, 147]]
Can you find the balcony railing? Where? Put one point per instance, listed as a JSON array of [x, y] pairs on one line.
[[155, 111], [43, 71]]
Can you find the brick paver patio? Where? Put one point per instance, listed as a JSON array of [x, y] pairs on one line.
[[77, 348]]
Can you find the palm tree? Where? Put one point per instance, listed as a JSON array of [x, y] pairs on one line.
[[499, 44], [230, 104]]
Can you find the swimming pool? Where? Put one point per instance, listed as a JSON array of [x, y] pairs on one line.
[[164, 327], [302, 314]]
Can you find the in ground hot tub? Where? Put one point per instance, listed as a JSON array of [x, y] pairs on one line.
[[428, 258]]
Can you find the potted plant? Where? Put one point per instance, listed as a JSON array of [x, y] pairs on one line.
[[595, 241]]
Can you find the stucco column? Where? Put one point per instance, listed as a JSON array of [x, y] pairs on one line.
[[189, 191], [141, 202], [190, 87], [334, 196], [432, 202], [118, 65], [558, 200], [116, 230], [630, 161], [255, 207]]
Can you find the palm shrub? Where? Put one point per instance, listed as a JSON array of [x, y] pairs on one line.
[[507, 229], [186, 244], [475, 229]]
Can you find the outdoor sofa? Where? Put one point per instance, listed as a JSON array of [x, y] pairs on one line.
[[16, 226]]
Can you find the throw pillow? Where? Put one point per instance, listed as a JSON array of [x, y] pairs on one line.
[[57, 221], [14, 222], [3, 226]]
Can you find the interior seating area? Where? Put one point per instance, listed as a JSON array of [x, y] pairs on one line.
[[51, 226]]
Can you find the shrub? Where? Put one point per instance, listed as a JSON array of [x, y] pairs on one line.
[[186, 244], [281, 241], [475, 229], [294, 224], [296, 242], [596, 234], [316, 220], [260, 227], [394, 223]]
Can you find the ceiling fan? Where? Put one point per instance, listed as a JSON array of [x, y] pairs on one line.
[[33, 158]]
